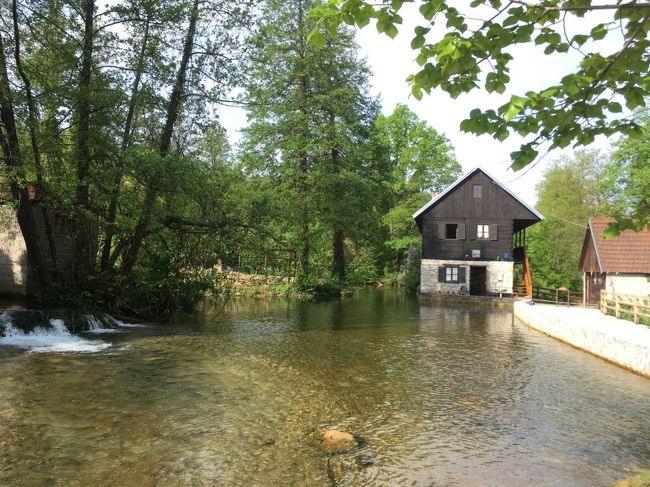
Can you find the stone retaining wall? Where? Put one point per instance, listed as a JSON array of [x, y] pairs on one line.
[[15, 273], [499, 276], [618, 341]]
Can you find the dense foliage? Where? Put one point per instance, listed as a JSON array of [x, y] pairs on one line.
[[461, 48], [110, 111], [570, 192]]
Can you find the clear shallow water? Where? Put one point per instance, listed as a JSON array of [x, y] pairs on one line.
[[440, 395]]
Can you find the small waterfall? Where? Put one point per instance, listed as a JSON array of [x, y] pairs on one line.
[[121, 324], [52, 338], [95, 325], [34, 331]]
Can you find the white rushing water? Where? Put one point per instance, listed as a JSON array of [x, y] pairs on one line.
[[54, 339], [96, 326], [121, 324]]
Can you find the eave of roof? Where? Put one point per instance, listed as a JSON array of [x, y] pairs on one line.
[[626, 253], [466, 176], [594, 243]]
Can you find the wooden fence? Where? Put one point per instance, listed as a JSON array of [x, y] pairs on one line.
[[551, 295], [635, 308]]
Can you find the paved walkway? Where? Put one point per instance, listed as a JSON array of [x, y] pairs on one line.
[[618, 341]]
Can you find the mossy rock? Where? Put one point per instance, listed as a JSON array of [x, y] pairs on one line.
[[642, 480], [26, 319], [76, 321]]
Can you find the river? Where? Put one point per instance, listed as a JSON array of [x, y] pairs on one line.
[[442, 395]]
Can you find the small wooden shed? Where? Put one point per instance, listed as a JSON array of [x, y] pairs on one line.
[[619, 265]]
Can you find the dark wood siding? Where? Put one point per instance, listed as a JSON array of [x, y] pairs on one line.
[[494, 204], [434, 247], [495, 207], [588, 258]]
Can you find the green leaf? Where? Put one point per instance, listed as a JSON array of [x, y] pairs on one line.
[[391, 30], [634, 97], [599, 32], [513, 108], [614, 107], [316, 38], [579, 39], [523, 157], [524, 33], [428, 10], [417, 42]]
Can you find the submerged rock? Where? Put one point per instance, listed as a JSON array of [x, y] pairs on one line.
[[25, 320], [642, 480], [335, 441]]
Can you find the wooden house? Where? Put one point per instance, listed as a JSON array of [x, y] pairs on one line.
[[619, 265], [473, 234]]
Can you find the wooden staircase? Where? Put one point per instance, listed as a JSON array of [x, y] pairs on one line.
[[528, 275]]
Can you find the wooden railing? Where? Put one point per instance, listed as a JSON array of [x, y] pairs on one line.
[[634, 308], [551, 295]]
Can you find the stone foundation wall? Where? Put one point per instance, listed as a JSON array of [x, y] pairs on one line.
[[14, 269], [499, 276], [618, 341], [15, 274]]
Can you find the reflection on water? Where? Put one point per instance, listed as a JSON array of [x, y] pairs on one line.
[[440, 395]]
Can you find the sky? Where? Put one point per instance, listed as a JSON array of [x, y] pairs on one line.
[[392, 60]]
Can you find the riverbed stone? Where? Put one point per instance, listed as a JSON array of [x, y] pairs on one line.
[[336, 441]]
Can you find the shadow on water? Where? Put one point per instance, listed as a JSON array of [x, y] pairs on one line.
[[441, 395]]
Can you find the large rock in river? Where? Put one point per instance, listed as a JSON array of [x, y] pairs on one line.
[[335, 441]]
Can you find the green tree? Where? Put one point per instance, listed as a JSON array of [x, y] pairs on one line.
[[421, 162], [114, 124], [310, 116], [569, 193], [461, 49], [627, 180]]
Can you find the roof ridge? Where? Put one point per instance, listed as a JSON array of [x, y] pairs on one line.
[[465, 176]]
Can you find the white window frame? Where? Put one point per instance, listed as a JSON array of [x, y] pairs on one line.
[[483, 232], [451, 274]]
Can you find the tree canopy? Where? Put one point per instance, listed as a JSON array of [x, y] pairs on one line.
[[572, 190], [461, 49]]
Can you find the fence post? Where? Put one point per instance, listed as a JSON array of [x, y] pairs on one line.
[[617, 305], [603, 302], [637, 318]]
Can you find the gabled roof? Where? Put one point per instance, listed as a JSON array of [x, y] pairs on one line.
[[460, 181], [628, 252]]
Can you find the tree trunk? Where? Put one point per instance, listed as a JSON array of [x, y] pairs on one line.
[[173, 109], [126, 141], [32, 122], [13, 161], [338, 251], [84, 261], [303, 166]]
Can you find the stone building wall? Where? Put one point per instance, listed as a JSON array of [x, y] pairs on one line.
[[499, 278], [15, 275], [14, 269], [632, 284]]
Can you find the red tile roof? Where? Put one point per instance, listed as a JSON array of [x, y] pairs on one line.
[[628, 252]]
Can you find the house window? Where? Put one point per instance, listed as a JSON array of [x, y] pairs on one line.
[[483, 232], [451, 231], [477, 190], [451, 274], [476, 253]]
